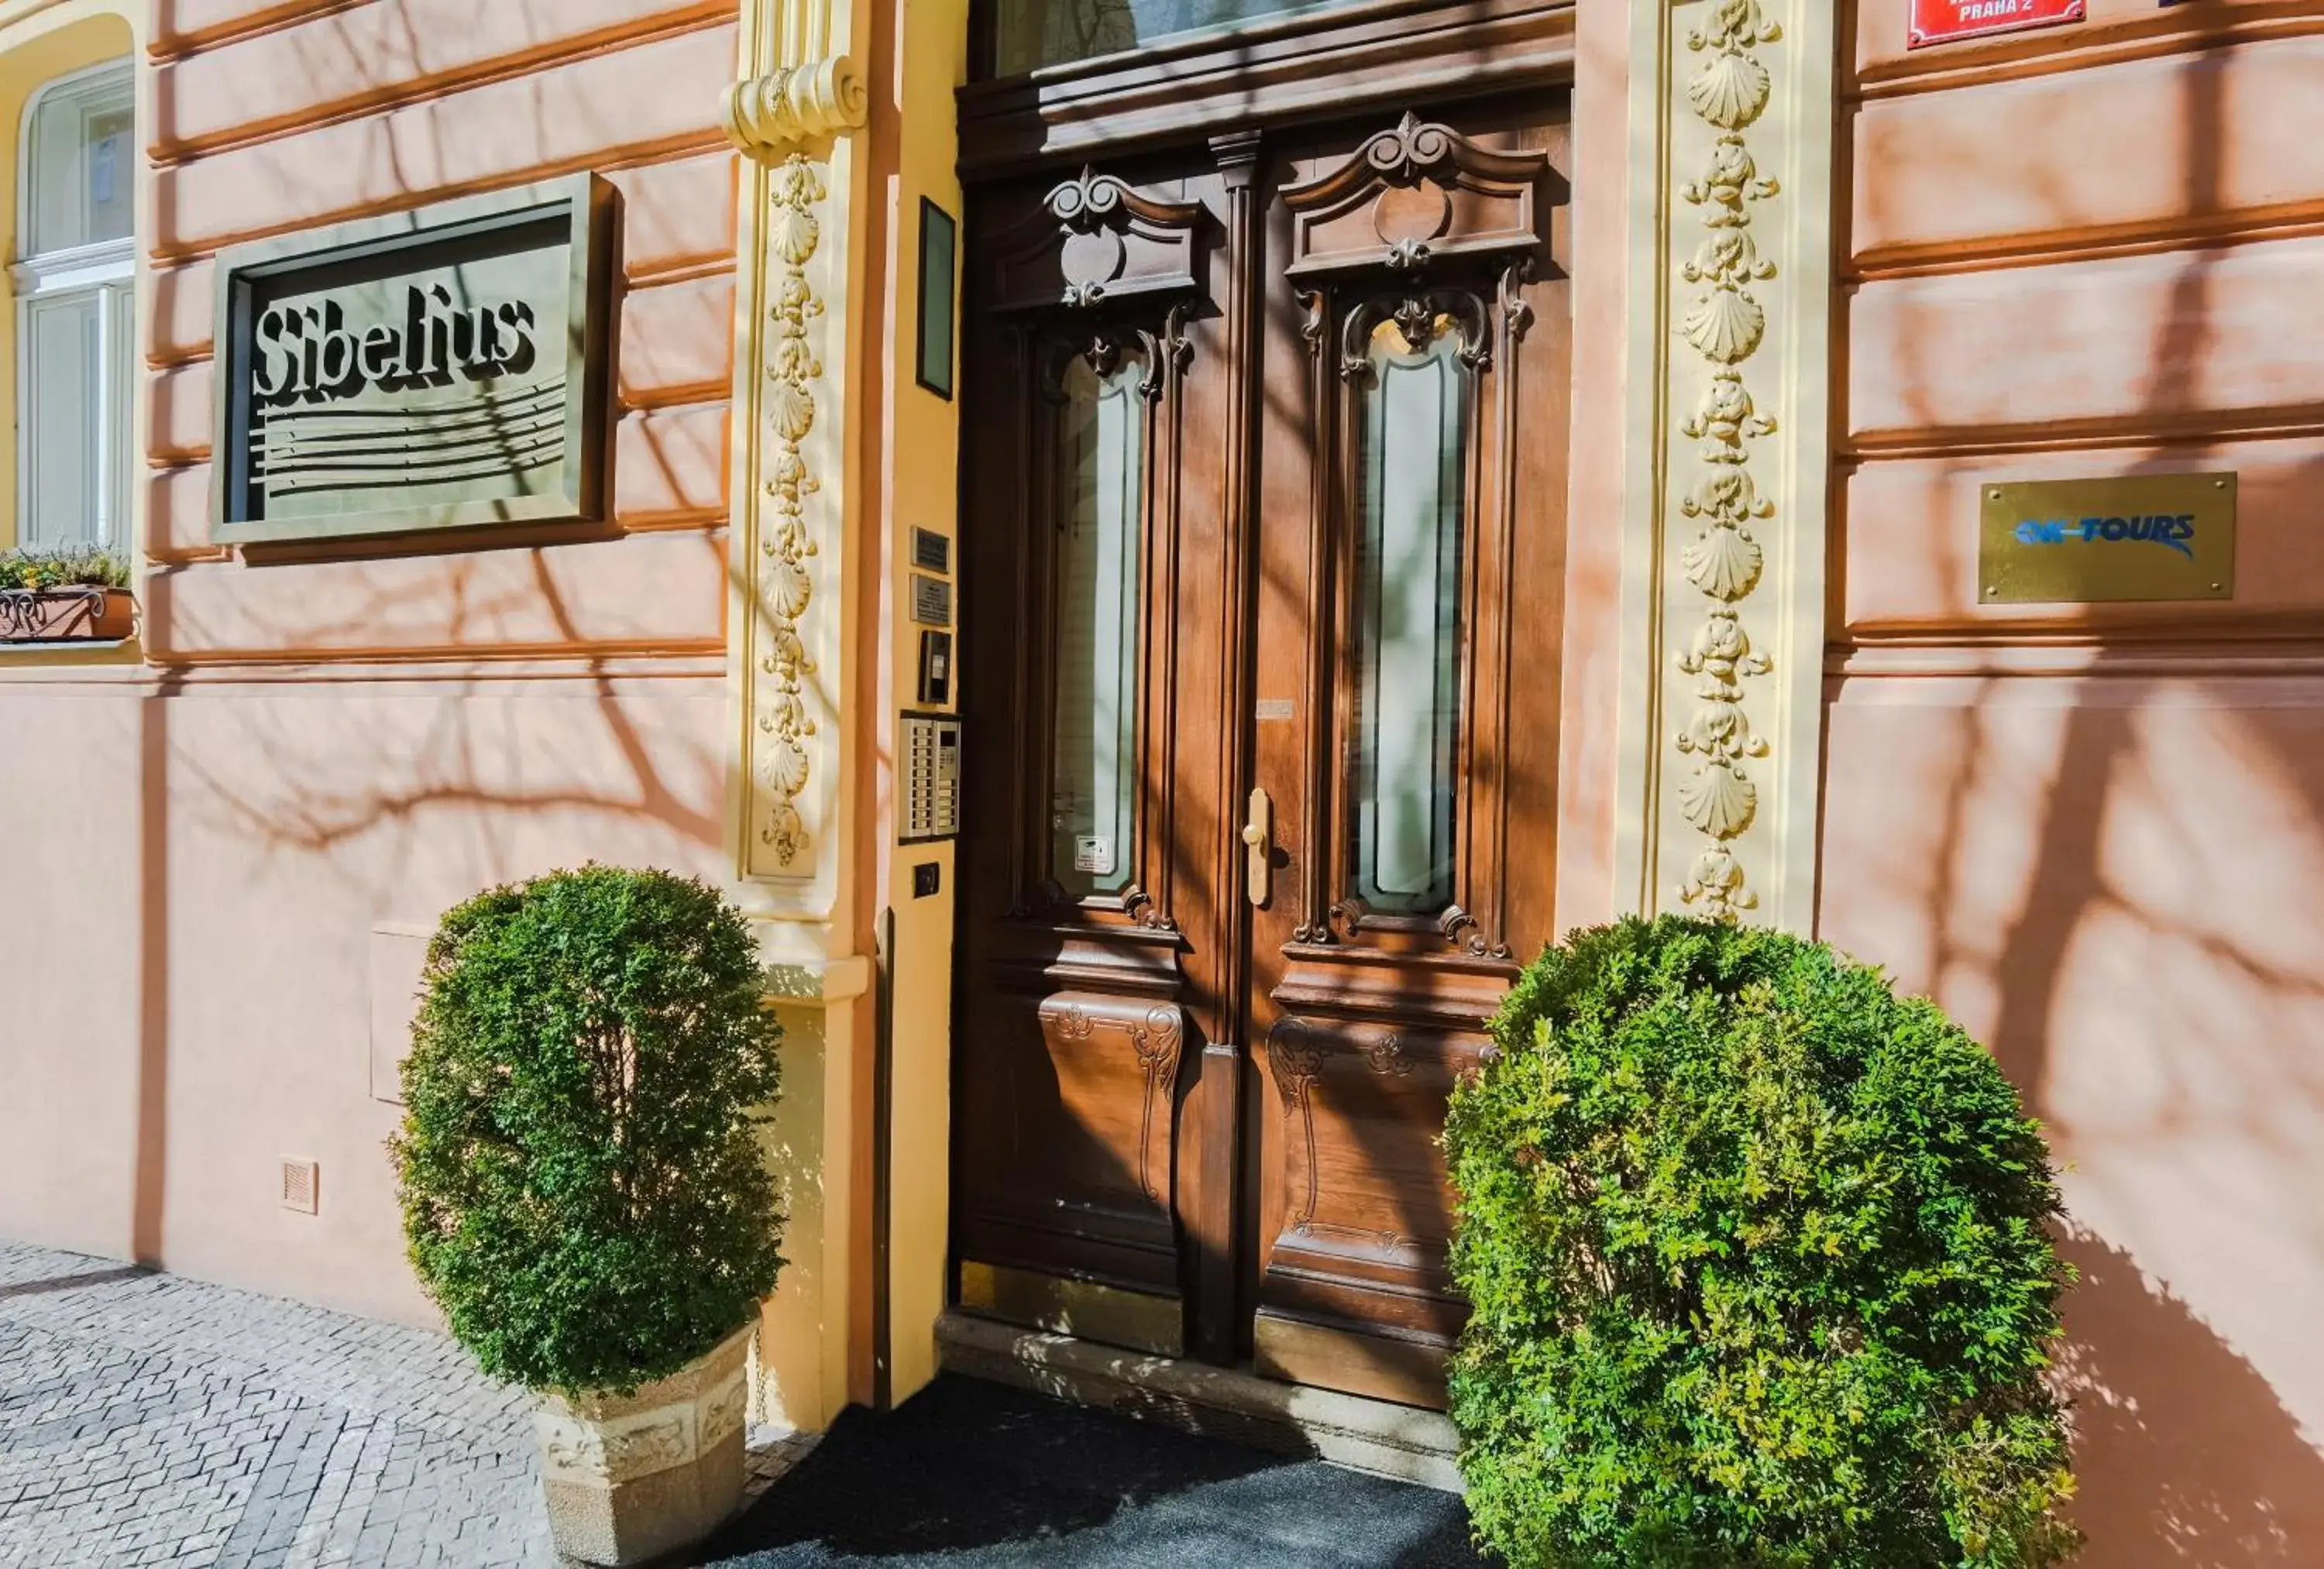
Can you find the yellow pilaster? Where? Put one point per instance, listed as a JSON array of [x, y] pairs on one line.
[[843, 110], [794, 113], [1723, 594]]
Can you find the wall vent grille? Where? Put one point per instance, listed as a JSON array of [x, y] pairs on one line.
[[301, 1185]]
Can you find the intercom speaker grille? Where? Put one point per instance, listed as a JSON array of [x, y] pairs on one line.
[[302, 1183]]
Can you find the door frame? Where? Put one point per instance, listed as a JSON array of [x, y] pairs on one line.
[[1107, 110]]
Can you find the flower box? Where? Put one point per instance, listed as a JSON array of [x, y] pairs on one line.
[[66, 615]]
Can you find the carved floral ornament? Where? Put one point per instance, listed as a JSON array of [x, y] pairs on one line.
[[786, 546], [1725, 326], [775, 120]]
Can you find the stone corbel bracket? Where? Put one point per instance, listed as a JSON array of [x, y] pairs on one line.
[[793, 107]]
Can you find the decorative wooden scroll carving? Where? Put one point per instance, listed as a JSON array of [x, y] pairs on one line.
[[1414, 193], [1077, 1022], [1337, 1127], [1098, 239]]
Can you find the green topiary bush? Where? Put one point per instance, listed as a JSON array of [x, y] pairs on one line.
[[1760, 1266], [580, 1163]]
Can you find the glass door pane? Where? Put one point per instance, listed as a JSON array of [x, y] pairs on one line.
[[1100, 479], [1407, 630]]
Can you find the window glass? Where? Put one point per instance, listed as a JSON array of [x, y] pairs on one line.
[[1100, 478], [77, 311], [82, 162], [1407, 632], [1032, 33], [61, 346]]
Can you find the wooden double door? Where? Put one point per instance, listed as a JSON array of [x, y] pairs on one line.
[[1263, 553]]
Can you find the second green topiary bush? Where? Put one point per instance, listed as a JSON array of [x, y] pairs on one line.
[[1761, 1270]]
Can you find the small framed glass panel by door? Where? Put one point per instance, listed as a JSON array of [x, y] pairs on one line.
[[1404, 740], [1099, 567]]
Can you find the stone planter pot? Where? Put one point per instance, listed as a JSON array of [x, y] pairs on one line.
[[66, 615], [632, 1477]]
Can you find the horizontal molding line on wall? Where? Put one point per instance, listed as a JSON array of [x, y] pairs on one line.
[[320, 665], [420, 89], [608, 161], [254, 22], [682, 266], [2174, 32], [587, 670], [2007, 253], [2306, 422], [2221, 658]]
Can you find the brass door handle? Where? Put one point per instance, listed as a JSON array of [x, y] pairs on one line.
[[1259, 842]]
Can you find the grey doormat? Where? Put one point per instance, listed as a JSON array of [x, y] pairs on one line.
[[971, 1475]]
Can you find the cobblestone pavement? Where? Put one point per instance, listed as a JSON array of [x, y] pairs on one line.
[[148, 1420]]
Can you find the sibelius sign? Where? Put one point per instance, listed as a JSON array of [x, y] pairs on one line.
[[307, 353], [442, 370]]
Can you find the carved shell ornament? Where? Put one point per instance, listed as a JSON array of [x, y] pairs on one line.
[[1723, 562], [1731, 89], [1726, 324], [1719, 801]]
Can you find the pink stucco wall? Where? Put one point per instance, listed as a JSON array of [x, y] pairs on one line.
[[228, 850], [2094, 833]]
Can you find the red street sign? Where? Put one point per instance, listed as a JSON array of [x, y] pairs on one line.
[[1944, 21]]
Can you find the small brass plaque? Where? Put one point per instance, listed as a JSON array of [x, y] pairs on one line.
[[2144, 537]]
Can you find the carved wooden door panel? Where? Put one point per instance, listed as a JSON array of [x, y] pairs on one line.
[[1406, 736], [1097, 647], [1263, 525]]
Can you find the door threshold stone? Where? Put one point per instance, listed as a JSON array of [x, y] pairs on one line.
[[1403, 1443]]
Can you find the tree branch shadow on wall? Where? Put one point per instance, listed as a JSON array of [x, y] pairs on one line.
[[2187, 1456], [2181, 1445]]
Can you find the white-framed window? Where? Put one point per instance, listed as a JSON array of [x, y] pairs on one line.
[[76, 313]]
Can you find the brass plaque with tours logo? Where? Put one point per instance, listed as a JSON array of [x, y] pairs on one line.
[[438, 369], [2142, 536]]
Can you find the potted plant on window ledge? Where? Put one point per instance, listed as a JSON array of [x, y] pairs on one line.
[[584, 1191], [65, 596]]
